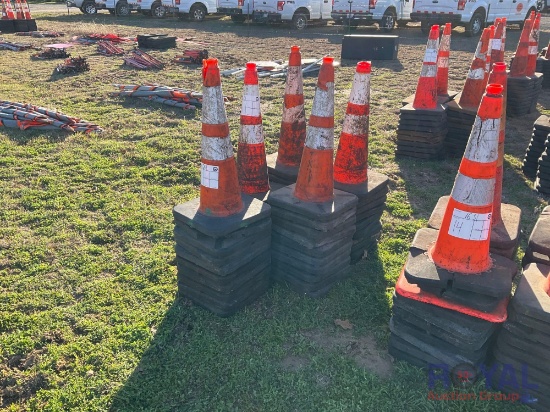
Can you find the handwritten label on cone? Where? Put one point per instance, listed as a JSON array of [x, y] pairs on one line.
[[470, 226], [210, 176]]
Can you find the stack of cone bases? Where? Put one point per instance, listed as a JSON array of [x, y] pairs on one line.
[[423, 123], [350, 165], [222, 238], [313, 224], [524, 84], [542, 180], [283, 166], [452, 295], [505, 220], [536, 147], [523, 342], [462, 110], [543, 66], [538, 247]]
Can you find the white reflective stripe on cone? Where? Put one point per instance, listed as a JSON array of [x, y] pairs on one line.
[[431, 54], [445, 44], [355, 125], [532, 50], [216, 148], [294, 80], [251, 100], [473, 192], [428, 70], [360, 91], [477, 74], [497, 43], [213, 112], [293, 114], [320, 138], [323, 102], [482, 146], [251, 134]]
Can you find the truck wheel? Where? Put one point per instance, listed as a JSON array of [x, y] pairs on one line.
[[476, 25], [402, 23], [158, 11], [299, 21], [89, 8], [425, 27], [122, 9], [238, 18], [388, 21], [111, 11], [197, 12]]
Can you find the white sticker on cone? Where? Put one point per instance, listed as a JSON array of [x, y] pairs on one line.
[[210, 176], [470, 226]]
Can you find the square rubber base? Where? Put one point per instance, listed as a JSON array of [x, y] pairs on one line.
[[188, 214], [539, 241], [531, 297], [376, 184], [281, 173]]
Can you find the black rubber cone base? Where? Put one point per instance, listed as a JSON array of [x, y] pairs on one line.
[[280, 173], [420, 270], [531, 297], [189, 215], [504, 236]]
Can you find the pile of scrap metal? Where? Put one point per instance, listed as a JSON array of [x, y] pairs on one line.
[[278, 68], [28, 116], [8, 45], [73, 65], [96, 37], [139, 59], [191, 57], [40, 34], [49, 53], [109, 49]]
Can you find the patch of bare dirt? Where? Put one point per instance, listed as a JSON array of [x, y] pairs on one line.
[[294, 363], [362, 349], [17, 382]]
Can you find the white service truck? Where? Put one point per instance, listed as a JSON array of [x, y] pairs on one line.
[[474, 15], [387, 13], [296, 12], [120, 7], [152, 8], [238, 10], [195, 10]]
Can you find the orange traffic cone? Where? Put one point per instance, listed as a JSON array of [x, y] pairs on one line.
[[251, 162], [499, 76], [463, 241], [18, 10], [443, 62], [426, 90], [7, 10], [26, 10], [518, 67], [293, 125], [219, 195], [533, 50], [488, 62], [315, 177], [350, 164], [476, 80], [497, 49]]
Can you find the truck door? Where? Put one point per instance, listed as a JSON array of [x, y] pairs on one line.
[[498, 8], [326, 9], [518, 10], [406, 9]]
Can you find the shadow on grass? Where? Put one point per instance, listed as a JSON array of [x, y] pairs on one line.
[[23, 137]]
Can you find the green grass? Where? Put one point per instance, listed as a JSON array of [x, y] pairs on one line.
[[89, 314]]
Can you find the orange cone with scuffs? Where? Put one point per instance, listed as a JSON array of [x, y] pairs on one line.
[[426, 90], [219, 193], [497, 49], [463, 241], [18, 10], [350, 164], [315, 178], [26, 10], [251, 161], [488, 62], [518, 67], [476, 80], [499, 76], [533, 51], [443, 62], [293, 126], [7, 10]]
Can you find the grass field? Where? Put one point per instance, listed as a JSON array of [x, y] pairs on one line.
[[89, 314]]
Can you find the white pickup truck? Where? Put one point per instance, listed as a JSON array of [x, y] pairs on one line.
[[387, 13], [118, 7], [195, 10], [152, 8], [296, 12], [474, 15], [239, 10]]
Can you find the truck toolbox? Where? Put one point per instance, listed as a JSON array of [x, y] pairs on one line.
[[369, 47]]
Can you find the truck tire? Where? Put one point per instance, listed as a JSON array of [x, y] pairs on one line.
[[89, 7], [238, 18], [299, 21], [476, 25], [425, 27], [122, 9], [387, 24], [158, 11], [197, 12]]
